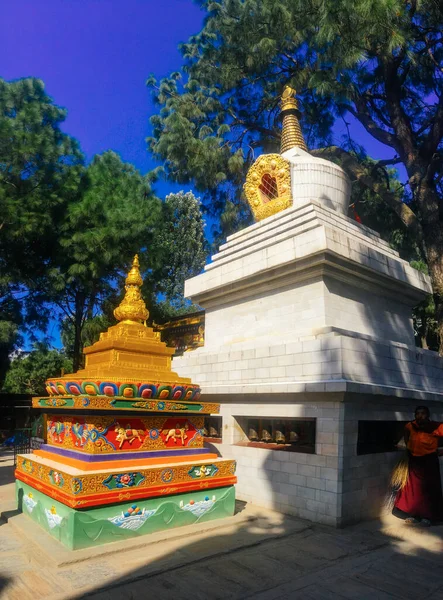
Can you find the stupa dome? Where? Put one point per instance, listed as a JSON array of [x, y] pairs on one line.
[[294, 177], [314, 178]]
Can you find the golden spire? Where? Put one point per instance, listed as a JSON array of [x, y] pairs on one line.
[[132, 307], [291, 136]]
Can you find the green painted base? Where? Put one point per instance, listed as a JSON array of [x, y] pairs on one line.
[[77, 529]]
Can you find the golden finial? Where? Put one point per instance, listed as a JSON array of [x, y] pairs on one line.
[[291, 136], [132, 307]]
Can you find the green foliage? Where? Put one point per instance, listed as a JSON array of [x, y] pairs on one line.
[[39, 174], [180, 250], [28, 372], [10, 320], [66, 230], [163, 311], [90, 333], [112, 218]]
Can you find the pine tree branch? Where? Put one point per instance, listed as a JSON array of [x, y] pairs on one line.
[[361, 113], [255, 127], [404, 135], [436, 132]]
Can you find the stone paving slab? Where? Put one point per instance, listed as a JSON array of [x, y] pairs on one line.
[[257, 554]]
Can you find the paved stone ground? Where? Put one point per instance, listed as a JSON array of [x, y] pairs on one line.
[[256, 554]]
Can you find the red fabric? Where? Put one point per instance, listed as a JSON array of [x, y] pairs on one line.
[[422, 496]]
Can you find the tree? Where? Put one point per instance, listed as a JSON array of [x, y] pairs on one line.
[[29, 371], [10, 321], [39, 174], [180, 250], [112, 218], [91, 330], [377, 61]]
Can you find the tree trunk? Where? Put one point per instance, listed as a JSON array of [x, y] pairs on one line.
[[432, 226], [78, 326]]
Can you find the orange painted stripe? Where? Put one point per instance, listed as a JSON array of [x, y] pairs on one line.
[[126, 494], [113, 464]]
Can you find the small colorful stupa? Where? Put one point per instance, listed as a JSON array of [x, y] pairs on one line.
[[124, 454]]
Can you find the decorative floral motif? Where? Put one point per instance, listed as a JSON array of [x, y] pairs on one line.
[[81, 490], [201, 471], [99, 439], [27, 466], [76, 485], [167, 475], [154, 434], [54, 402], [56, 478], [123, 480], [113, 389]]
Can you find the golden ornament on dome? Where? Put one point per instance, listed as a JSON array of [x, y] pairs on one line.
[[268, 182], [132, 307]]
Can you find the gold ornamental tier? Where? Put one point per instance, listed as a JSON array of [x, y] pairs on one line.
[[129, 351]]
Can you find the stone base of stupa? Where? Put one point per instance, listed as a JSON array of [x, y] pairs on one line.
[[96, 482], [78, 529], [125, 452], [309, 329]]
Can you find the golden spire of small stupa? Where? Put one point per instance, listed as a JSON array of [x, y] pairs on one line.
[[291, 135], [132, 307]]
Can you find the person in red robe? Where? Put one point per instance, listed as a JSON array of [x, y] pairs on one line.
[[420, 501]]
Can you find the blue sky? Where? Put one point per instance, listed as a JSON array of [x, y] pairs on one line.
[[95, 56]]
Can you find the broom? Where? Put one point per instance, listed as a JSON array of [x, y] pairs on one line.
[[399, 479]]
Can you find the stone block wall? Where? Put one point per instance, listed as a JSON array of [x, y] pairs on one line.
[[305, 485], [334, 486], [324, 362]]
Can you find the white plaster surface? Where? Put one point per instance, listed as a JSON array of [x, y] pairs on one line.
[[308, 313], [304, 269], [313, 177]]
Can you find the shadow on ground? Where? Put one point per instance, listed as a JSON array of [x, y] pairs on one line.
[[7, 470], [374, 560]]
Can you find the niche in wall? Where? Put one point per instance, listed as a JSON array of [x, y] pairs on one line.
[[291, 435], [379, 436]]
